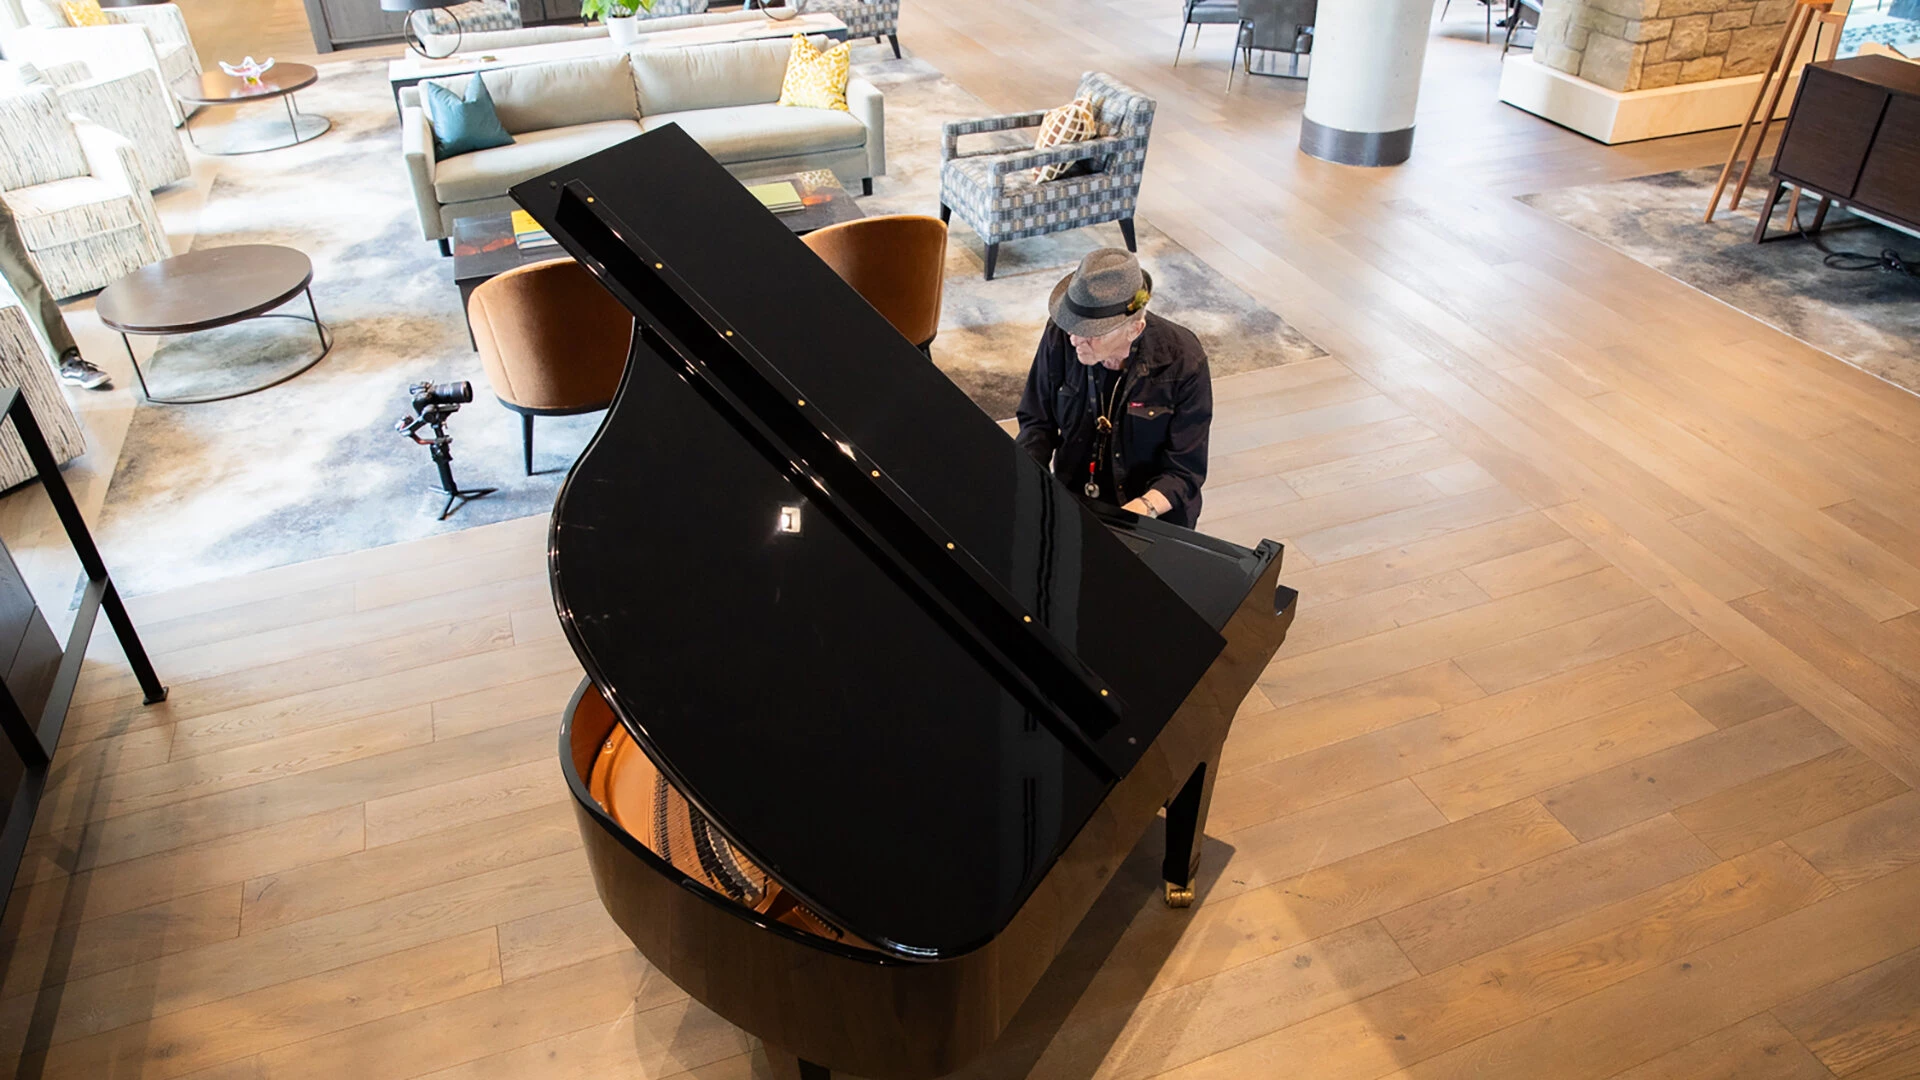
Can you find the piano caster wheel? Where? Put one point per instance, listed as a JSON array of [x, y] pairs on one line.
[[1179, 896]]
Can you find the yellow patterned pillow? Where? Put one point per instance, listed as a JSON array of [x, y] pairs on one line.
[[815, 79], [83, 12], [1070, 123]]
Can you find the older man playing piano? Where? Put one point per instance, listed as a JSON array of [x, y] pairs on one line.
[[1119, 401]]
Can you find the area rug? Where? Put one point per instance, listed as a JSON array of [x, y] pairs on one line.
[[313, 467], [1869, 319]]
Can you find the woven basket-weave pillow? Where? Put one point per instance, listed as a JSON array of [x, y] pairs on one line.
[[1070, 123], [815, 79]]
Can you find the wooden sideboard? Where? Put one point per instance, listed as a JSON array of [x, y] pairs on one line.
[[1853, 139], [339, 24]]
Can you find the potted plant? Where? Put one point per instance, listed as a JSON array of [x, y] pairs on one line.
[[619, 15]]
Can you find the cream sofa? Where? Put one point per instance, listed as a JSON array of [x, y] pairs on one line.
[[724, 96]]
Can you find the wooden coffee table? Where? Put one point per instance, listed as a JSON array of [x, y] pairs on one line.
[[483, 247], [216, 87], [827, 202], [210, 288]]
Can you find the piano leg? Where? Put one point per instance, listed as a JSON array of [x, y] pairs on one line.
[[788, 1066], [1186, 825]]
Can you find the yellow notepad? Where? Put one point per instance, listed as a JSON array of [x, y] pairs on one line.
[[523, 223], [777, 197]]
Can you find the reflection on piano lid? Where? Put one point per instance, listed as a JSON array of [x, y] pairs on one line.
[[901, 701]]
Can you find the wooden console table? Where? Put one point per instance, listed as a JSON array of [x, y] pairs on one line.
[[1853, 139]]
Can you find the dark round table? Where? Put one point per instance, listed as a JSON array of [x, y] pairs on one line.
[[210, 288], [281, 81]]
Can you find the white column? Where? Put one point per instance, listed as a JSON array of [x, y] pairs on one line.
[[1365, 82]]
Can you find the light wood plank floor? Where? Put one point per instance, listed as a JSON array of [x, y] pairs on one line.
[[1591, 756]]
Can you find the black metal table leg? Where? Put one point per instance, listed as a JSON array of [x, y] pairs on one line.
[[137, 373]]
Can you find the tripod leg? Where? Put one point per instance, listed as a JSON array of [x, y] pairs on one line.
[[1740, 141], [1802, 18]]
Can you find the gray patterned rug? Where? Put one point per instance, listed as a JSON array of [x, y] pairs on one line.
[[1868, 318], [313, 467]]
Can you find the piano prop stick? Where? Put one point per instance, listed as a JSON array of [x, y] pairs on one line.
[[875, 707]]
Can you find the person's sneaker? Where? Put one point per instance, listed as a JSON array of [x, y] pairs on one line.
[[82, 374]]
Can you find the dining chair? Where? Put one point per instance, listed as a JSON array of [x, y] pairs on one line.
[[1198, 13], [1273, 26]]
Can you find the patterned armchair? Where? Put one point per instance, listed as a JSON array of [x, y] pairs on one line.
[[131, 105], [874, 19], [496, 24], [149, 37], [997, 191], [76, 192]]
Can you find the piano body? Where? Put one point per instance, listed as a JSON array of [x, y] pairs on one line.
[[875, 707]]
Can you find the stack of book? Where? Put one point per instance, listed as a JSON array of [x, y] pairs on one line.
[[528, 234], [781, 198]]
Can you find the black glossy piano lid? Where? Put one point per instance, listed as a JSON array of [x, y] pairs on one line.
[[869, 713]]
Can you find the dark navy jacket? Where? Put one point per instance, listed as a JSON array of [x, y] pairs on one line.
[[1161, 441]]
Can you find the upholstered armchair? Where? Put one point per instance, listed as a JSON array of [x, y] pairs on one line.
[[874, 19], [554, 342], [132, 105], [76, 192], [667, 8], [496, 24], [23, 363], [998, 194], [148, 37]]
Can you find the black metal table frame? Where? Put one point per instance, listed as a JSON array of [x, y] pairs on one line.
[[35, 742], [326, 346], [293, 123]]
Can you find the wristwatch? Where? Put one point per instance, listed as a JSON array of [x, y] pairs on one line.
[[1151, 512]]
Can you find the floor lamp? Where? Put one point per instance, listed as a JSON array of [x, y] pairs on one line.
[[415, 7]]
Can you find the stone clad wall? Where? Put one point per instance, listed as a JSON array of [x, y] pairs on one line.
[[1644, 44]]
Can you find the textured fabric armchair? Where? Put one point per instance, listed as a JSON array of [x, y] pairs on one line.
[[874, 19], [496, 24], [997, 192], [77, 194], [150, 37], [23, 363], [132, 105]]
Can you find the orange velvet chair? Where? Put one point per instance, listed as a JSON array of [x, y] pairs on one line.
[[899, 263], [553, 340]]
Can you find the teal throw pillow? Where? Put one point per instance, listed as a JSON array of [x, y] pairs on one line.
[[461, 126]]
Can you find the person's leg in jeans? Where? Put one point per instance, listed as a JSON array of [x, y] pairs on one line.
[[24, 277]]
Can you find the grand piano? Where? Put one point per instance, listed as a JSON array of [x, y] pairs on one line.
[[875, 707]]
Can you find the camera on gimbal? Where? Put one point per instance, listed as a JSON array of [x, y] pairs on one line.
[[433, 405], [446, 397]]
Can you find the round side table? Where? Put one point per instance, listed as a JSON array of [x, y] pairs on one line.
[[216, 87], [202, 290]]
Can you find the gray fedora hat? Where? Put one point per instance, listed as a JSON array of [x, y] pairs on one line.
[[1106, 291]]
